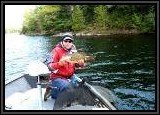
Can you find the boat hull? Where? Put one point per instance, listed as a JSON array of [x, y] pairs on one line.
[[25, 94]]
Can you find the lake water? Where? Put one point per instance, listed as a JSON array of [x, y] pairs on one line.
[[125, 64]]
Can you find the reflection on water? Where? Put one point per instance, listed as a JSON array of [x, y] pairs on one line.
[[123, 64]]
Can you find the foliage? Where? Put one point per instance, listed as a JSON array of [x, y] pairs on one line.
[[101, 16], [144, 22], [88, 13], [77, 19], [50, 19]]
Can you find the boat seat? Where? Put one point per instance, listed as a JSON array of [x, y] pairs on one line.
[[44, 79]]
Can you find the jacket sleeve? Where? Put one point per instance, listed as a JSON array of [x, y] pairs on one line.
[[54, 65]]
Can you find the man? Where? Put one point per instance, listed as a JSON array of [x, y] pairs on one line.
[[62, 70]]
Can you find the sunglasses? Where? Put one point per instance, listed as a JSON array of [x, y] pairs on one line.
[[70, 41]]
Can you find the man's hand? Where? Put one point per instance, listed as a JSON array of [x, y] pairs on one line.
[[80, 63], [61, 62]]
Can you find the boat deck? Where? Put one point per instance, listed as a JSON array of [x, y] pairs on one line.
[[28, 101], [24, 94]]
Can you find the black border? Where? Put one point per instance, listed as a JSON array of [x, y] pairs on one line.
[[3, 111]]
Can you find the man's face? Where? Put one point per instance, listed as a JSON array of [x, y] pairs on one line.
[[68, 43]]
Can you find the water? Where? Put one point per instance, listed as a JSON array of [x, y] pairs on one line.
[[125, 64]]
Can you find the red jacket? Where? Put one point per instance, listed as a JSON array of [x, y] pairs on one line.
[[60, 72]]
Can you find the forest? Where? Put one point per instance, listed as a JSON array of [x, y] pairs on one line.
[[53, 19]]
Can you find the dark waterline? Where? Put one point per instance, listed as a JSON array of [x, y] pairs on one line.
[[125, 64]]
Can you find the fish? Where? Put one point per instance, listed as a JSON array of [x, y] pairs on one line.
[[78, 56]]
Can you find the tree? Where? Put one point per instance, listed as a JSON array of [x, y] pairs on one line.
[[88, 13], [78, 22], [63, 18], [101, 16], [30, 23], [47, 15]]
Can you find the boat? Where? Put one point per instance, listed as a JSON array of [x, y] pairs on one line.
[[27, 93]]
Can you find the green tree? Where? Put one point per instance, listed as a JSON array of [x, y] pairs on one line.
[[88, 13], [101, 16], [78, 21], [51, 19], [47, 15], [145, 21], [40, 20], [30, 23], [63, 18]]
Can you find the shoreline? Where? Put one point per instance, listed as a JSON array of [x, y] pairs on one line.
[[95, 33], [104, 33]]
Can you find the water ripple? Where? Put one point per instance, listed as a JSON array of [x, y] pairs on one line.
[[142, 71], [150, 96], [101, 64]]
